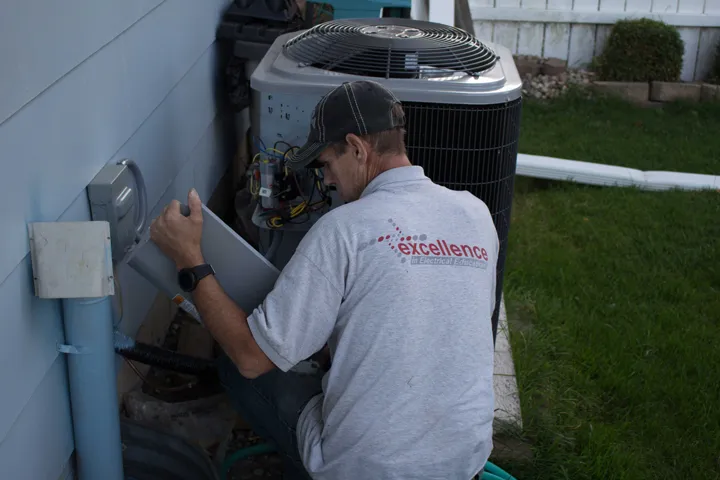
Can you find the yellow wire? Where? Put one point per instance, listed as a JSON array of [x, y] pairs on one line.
[[296, 210], [276, 151], [276, 222]]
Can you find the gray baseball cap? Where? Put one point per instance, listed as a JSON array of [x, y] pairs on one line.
[[360, 107]]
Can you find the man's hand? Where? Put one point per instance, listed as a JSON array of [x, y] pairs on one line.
[[179, 236]]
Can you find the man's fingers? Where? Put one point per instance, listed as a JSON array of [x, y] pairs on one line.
[[174, 207], [195, 205], [155, 226]]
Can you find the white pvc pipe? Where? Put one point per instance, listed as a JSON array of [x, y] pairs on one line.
[[610, 175]]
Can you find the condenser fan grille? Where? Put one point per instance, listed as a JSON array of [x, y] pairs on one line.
[[473, 148], [391, 48]]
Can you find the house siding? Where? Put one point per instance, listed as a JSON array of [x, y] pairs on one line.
[[87, 82]]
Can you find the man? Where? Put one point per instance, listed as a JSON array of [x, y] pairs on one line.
[[399, 282]]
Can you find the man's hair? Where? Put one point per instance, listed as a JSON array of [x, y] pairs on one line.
[[386, 142]]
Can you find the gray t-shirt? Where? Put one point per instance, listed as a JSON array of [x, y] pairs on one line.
[[401, 285]]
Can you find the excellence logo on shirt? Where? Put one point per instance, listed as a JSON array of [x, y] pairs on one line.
[[418, 250]]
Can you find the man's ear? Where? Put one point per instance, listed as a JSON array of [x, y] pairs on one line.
[[357, 146]]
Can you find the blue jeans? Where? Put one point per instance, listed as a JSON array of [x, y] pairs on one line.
[[271, 404]]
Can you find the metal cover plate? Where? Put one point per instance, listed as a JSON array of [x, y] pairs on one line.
[[245, 275]]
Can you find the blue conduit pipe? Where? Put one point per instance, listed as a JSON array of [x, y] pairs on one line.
[[492, 471], [93, 391]]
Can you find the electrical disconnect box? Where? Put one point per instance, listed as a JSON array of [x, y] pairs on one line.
[[117, 196]]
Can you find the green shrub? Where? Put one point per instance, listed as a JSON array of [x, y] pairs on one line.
[[641, 50]]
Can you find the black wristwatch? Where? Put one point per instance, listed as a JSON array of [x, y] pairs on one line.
[[188, 278]]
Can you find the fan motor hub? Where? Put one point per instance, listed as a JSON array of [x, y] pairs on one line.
[[392, 31]]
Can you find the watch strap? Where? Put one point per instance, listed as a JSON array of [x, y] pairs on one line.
[[195, 274], [202, 271]]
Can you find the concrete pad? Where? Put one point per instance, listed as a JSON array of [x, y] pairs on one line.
[[637, 92], [673, 91], [502, 341], [507, 398]]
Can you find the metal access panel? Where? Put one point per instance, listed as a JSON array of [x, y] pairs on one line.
[[245, 275]]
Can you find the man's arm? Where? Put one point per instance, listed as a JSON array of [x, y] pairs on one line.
[[179, 238], [228, 324]]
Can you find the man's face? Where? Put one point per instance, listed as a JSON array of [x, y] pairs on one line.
[[346, 171]]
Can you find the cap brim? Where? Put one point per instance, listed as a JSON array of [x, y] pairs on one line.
[[304, 156]]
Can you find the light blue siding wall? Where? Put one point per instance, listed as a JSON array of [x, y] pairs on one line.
[[83, 83]]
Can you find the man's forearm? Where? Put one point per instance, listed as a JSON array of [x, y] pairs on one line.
[[228, 324]]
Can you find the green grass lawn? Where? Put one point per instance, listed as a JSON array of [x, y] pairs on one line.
[[613, 298], [682, 138]]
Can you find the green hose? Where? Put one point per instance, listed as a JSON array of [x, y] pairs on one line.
[[246, 452], [490, 476], [492, 471]]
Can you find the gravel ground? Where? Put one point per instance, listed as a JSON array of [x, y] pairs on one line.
[[545, 87]]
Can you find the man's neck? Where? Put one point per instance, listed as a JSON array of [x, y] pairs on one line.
[[384, 164], [390, 162]]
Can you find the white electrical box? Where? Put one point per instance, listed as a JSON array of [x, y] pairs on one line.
[[71, 259]]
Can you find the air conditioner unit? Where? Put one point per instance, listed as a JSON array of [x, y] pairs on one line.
[[462, 99]]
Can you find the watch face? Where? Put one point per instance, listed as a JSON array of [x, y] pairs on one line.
[[186, 279]]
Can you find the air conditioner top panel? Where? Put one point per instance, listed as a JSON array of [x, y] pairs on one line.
[[391, 48], [307, 63]]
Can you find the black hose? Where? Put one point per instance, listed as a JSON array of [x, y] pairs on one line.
[[167, 359]]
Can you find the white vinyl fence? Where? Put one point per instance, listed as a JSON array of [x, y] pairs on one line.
[[576, 30]]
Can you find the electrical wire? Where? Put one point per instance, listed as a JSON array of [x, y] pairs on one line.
[[254, 186], [294, 214], [260, 146], [276, 151], [283, 142]]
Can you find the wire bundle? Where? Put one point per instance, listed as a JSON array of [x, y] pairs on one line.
[[293, 214]]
